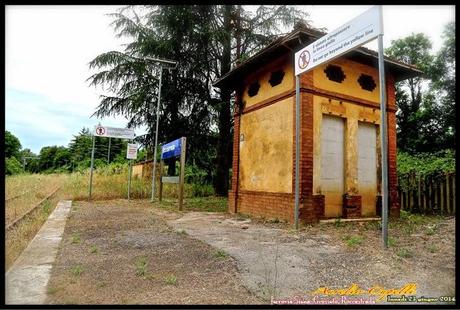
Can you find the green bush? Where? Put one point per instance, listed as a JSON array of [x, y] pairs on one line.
[[423, 165], [194, 174], [202, 190], [12, 166]]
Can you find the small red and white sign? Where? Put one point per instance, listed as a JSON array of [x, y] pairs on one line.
[[131, 152]]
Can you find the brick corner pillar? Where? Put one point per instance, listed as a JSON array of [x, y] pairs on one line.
[[351, 206], [233, 192], [393, 201], [309, 213]]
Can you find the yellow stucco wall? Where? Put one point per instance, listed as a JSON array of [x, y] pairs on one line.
[[263, 76], [266, 137], [352, 113], [349, 86]]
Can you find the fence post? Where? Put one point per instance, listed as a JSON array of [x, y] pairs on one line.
[[453, 192], [446, 176], [443, 205], [419, 200]]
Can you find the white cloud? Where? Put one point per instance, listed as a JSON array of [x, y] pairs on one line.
[[48, 49]]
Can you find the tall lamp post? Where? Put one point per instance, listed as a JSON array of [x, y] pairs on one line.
[[168, 64]]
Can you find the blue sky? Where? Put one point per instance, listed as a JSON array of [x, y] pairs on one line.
[[48, 49]]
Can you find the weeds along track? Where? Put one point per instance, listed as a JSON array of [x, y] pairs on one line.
[[20, 195], [21, 217], [30, 200]]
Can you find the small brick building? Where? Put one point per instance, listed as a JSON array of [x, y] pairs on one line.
[[339, 133]]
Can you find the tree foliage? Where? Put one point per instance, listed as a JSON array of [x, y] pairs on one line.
[[12, 145], [205, 40], [12, 166], [426, 104]]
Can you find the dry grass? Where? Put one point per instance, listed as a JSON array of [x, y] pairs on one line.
[[33, 187], [116, 186], [74, 187]]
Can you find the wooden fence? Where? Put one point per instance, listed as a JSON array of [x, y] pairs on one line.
[[430, 195]]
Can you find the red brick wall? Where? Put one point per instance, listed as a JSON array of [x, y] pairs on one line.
[[233, 192], [392, 173], [267, 205]]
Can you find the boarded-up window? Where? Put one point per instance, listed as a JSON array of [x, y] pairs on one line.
[[332, 164]]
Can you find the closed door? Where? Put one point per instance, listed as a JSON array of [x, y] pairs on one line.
[[367, 167], [332, 164]]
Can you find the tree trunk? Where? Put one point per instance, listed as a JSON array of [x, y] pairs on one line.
[[224, 139]]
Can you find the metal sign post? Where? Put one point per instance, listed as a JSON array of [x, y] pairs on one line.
[[168, 64], [182, 173], [131, 153], [92, 167], [156, 137], [297, 149], [110, 132], [383, 136], [351, 35], [108, 153], [129, 178]]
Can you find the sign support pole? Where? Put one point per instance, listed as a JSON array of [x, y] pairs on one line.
[[92, 166], [156, 137], [108, 153], [182, 173], [129, 177], [297, 149], [383, 137], [160, 198]]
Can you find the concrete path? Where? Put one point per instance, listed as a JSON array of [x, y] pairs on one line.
[[283, 263], [28, 277], [271, 261]]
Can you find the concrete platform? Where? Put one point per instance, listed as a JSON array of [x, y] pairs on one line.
[[28, 277]]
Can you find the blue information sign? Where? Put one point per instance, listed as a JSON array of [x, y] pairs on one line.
[[171, 149]]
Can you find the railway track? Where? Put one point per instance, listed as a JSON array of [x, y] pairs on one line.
[[20, 195], [20, 218]]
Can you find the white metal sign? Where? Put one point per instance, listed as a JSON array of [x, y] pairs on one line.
[[131, 152], [356, 32], [104, 131]]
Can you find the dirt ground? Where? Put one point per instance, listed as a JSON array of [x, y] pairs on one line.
[[275, 260], [217, 258], [118, 253]]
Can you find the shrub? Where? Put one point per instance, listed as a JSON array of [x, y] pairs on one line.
[[353, 240], [423, 165], [12, 166]]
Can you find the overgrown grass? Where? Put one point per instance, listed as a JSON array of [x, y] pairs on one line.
[[171, 279], [108, 183], [338, 223], [111, 186], [93, 249], [404, 252], [221, 254], [75, 239], [141, 266], [353, 241], [76, 270], [36, 187]]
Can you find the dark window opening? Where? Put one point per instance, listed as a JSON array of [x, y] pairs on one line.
[[334, 73], [253, 89], [367, 82], [276, 78]]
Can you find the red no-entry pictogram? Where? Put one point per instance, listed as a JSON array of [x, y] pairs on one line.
[[100, 130]]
